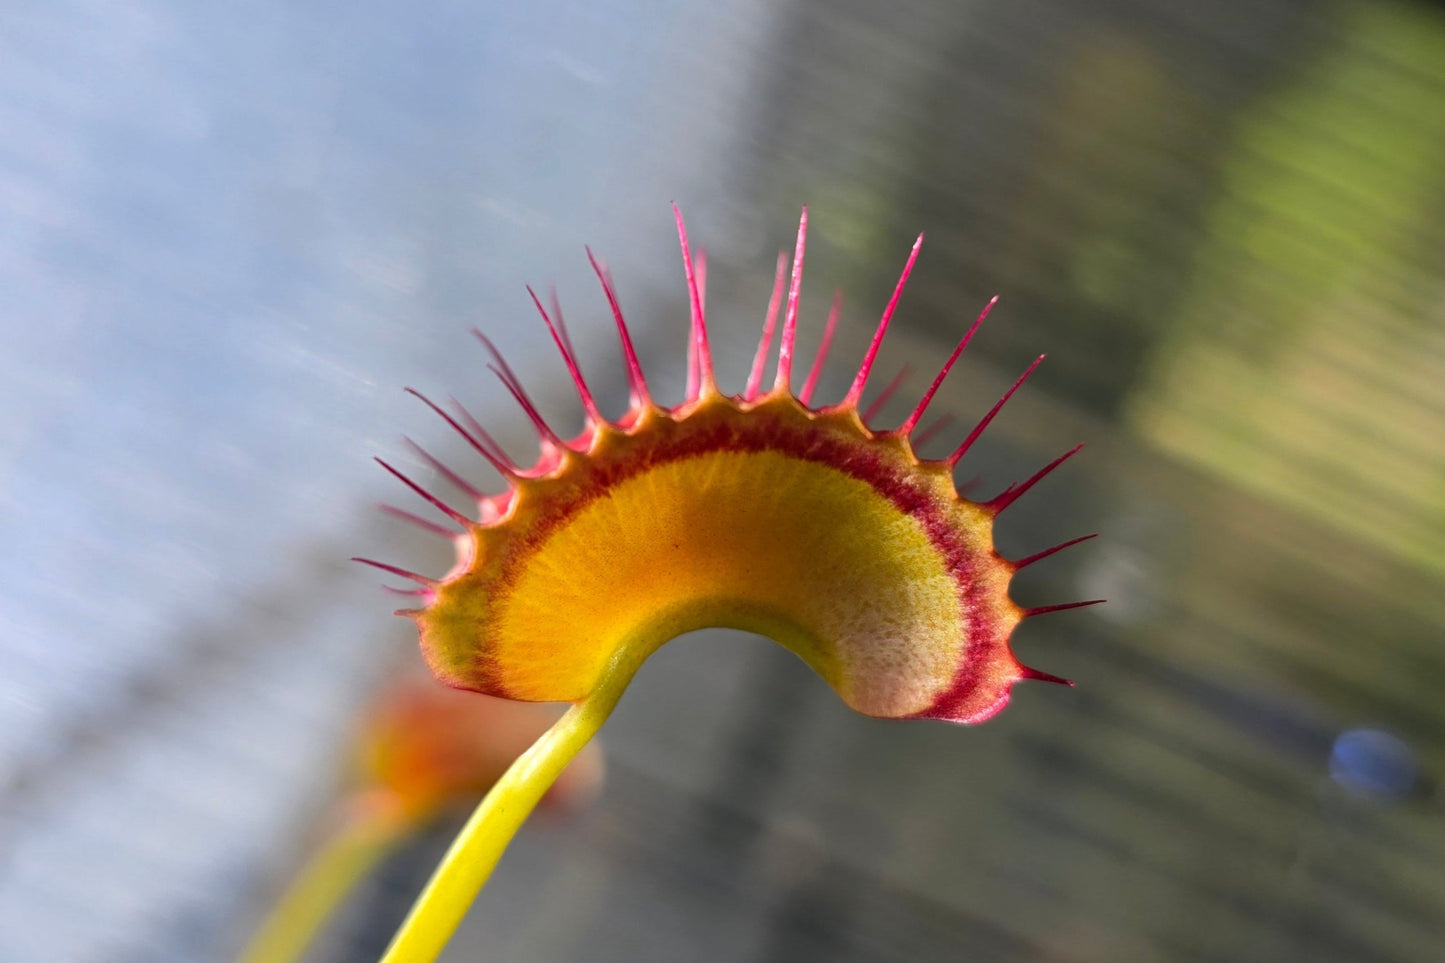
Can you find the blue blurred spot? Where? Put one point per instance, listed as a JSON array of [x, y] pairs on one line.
[[1374, 762]]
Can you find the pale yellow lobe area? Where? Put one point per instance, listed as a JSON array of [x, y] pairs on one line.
[[762, 541]]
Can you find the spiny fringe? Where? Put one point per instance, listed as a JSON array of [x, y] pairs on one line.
[[932, 430], [1028, 672], [564, 347], [641, 396], [1011, 494], [400, 572], [1040, 556], [700, 264], [502, 464], [513, 384], [998, 406], [548, 438], [435, 502], [442, 469], [698, 347], [425, 593], [889, 390], [814, 373], [475, 427], [784, 378], [765, 342], [695, 358], [418, 521], [557, 316], [907, 427], [701, 377], [1062, 607], [855, 393]]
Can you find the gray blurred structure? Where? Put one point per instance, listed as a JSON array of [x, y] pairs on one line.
[[232, 236]]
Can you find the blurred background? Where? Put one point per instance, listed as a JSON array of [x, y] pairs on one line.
[[230, 235]]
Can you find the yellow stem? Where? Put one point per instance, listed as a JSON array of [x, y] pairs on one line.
[[307, 903], [480, 844]]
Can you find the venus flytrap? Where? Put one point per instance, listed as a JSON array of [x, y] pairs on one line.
[[756, 512]]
